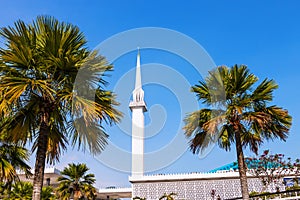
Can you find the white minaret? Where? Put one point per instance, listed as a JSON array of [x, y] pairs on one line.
[[138, 107]]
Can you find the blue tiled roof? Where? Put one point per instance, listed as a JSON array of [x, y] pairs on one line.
[[230, 166], [234, 166]]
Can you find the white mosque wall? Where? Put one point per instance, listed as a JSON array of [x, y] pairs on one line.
[[193, 189], [192, 186]]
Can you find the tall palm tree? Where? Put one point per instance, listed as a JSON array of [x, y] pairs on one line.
[[168, 196], [38, 69], [75, 182], [243, 117]]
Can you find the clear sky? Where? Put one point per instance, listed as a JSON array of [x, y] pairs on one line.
[[261, 34]]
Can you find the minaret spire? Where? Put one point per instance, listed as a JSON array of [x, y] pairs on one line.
[[138, 93], [138, 81], [138, 107]]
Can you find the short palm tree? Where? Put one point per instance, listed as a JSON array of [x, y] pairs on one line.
[[38, 68], [47, 193], [4, 191], [168, 196], [12, 158], [243, 117], [21, 191], [90, 192], [75, 182]]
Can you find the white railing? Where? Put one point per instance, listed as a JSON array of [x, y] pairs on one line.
[[192, 175], [115, 189]]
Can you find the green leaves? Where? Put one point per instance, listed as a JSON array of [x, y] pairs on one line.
[[243, 115], [76, 182], [168, 196], [21, 191], [39, 100], [39, 67], [264, 91], [245, 109], [12, 157]]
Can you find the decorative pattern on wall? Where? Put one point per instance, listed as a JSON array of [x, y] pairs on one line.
[[194, 189]]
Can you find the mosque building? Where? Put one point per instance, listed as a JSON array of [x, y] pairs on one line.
[[223, 182]]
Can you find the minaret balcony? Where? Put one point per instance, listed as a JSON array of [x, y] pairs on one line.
[[139, 104]]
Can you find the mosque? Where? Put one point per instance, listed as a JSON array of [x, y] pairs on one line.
[[223, 182]]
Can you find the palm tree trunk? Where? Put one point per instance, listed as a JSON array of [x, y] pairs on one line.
[[40, 161], [242, 166]]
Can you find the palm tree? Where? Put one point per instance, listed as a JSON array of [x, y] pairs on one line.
[[47, 193], [75, 182], [90, 192], [243, 117], [21, 191], [168, 196], [38, 69], [12, 158], [3, 190]]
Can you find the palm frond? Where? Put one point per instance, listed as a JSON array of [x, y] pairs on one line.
[[246, 111], [89, 136], [38, 71]]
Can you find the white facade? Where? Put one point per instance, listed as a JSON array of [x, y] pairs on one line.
[[192, 186]]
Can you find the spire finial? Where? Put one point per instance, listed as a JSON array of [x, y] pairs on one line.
[[138, 93], [138, 81]]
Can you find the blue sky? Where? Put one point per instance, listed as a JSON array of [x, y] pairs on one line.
[[261, 34]]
